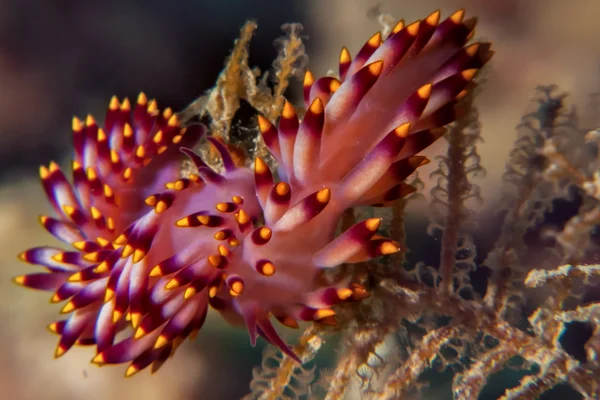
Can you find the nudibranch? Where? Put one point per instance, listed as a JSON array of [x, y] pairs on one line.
[[152, 250]]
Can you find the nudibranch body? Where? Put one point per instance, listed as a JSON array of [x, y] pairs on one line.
[[153, 250]]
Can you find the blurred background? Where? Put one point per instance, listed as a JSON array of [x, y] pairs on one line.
[[60, 58]]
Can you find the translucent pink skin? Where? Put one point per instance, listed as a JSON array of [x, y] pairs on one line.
[[238, 241]]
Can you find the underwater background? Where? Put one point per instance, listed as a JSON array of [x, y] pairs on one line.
[[63, 58]]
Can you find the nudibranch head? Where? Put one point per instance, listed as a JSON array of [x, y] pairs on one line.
[[154, 250]]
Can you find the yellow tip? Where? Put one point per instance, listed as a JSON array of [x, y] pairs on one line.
[[375, 40], [117, 315], [179, 185], [142, 100], [76, 125], [96, 214], [131, 370], [472, 49], [203, 219], [265, 233], [44, 172], [126, 105], [59, 351], [334, 85], [23, 256], [268, 269], [114, 103], [458, 16], [309, 78], [99, 359], [402, 130], [372, 224], [127, 131], [127, 251], [53, 167], [114, 157], [389, 248], [102, 268], [214, 260], [434, 18], [53, 327], [76, 165], [183, 222], [139, 332], [324, 195], [212, 291], [150, 201], [167, 113], [91, 174], [242, 217], [19, 280], [282, 189], [237, 287], [160, 207], [101, 135], [156, 272], [237, 200], [79, 245], [152, 107], [76, 277], [68, 308], [108, 192], [425, 91], [176, 139], [413, 28], [138, 255], [317, 106], [398, 27], [263, 124], [323, 313], [108, 295], [172, 284], [158, 137], [136, 319], [161, 341], [89, 120], [468, 74], [220, 235], [223, 251], [375, 68], [345, 57], [173, 121], [140, 151], [260, 167], [288, 110], [344, 293], [223, 207], [189, 292]]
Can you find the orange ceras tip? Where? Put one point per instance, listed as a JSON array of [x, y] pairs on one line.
[[288, 110], [345, 57], [375, 68], [263, 124], [375, 40], [309, 78], [126, 105], [317, 106]]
